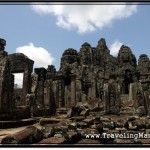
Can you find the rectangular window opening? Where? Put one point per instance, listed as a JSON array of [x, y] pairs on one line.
[[18, 80]]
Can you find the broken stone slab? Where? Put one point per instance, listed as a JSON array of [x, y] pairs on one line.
[[88, 121], [97, 120], [88, 131], [72, 126], [94, 131], [84, 132], [74, 111], [78, 118], [89, 141], [131, 125], [85, 112], [58, 135], [120, 123], [54, 140], [61, 129], [105, 118], [44, 121], [82, 125], [27, 136], [142, 141], [73, 137], [83, 105], [48, 130], [61, 116], [147, 131], [17, 123], [132, 118], [70, 113], [105, 129], [98, 127], [136, 125], [61, 110], [65, 122], [121, 129], [124, 141], [108, 124]]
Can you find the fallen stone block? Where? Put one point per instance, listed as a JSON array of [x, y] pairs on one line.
[[54, 140], [85, 112], [61, 129], [65, 122], [82, 125], [72, 127], [89, 141], [136, 125], [105, 119], [108, 124], [17, 123], [27, 136], [44, 121], [97, 120], [98, 127], [74, 111], [78, 118], [48, 130], [88, 121], [132, 118], [73, 137], [124, 141]]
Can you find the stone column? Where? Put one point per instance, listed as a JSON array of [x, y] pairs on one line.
[[78, 90], [106, 98], [73, 90], [26, 85], [49, 99], [41, 72], [137, 96], [59, 94]]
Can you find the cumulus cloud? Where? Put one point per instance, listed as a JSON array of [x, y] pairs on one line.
[[41, 57], [115, 47], [86, 18], [18, 79]]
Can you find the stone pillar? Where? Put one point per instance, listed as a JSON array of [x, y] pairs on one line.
[[106, 99], [93, 90], [60, 89], [73, 91], [41, 72], [27, 83], [136, 95], [78, 90], [47, 90], [6, 81], [59, 94], [49, 99]]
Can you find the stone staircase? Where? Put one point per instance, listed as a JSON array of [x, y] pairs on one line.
[[124, 97], [126, 105], [60, 111]]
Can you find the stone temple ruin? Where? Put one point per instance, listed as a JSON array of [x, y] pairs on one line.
[[90, 78]]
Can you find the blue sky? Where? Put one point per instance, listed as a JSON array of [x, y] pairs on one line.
[[40, 30]]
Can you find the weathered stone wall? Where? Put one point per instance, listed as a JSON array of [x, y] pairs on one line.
[[6, 81], [86, 76], [22, 64]]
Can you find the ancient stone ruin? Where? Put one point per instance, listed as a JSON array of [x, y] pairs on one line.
[[90, 82]]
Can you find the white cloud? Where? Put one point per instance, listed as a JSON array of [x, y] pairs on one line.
[[18, 79], [86, 18], [40, 56], [115, 47]]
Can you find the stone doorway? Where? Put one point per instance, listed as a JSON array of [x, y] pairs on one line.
[[127, 80]]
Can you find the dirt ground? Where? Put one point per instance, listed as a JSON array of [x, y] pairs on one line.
[[5, 132]]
